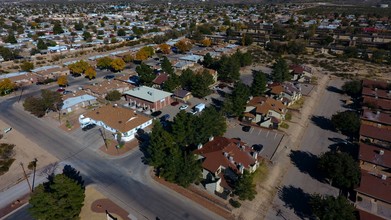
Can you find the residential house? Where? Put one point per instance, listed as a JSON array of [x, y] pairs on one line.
[[159, 80], [76, 100], [265, 112], [286, 92], [223, 160], [117, 120], [375, 135], [100, 90], [376, 118], [182, 95], [50, 72], [148, 98], [20, 78], [376, 103], [301, 73]]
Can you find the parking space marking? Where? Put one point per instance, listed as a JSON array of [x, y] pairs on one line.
[[275, 136], [259, 132], [267, 133], [252, 129]]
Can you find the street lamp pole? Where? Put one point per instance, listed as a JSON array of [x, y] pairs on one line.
[[25, 176]]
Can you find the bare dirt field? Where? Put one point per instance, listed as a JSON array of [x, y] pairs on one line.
[[25, 152]]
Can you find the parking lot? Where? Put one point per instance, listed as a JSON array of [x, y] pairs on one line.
[[268, 138]]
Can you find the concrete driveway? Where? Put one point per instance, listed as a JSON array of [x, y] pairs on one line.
[[268, 138]]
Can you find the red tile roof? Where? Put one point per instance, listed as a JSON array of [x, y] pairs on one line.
[[160, 79], [380, 93], [221, 150], [371, 154], [374, 84], [376, 116], [373, 186], [368, 216], [383, 104], [377, 133]]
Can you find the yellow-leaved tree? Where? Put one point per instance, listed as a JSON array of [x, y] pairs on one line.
[[62, 80], [165, 48], [184, 45], [206, 42], [90, 73], [6, 86], [118, 64]]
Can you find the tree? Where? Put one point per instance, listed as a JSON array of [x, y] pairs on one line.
[[340, 168], [104, 63], [87, 36], [206, 42], [146, 74], [79, 67], [228, 68], [121, 32], [208, 60], [190, 170], [244, 187], [79, 26], [90, 73], [348, 122], [6, 157], [11, 39], [62, 80], [128, 58], [167, 66], [6, 86], [165, 48], [247, 40], [183, 128], [27, 66], [59, 198], [113, 95], [280, 72], [330, 207], [144, 53], [39, 106], [237, 101], [57, 29], [184, 45], [118, 64], [171, 83], [258, 86], [41, 45], [352, 88], [200, 84]]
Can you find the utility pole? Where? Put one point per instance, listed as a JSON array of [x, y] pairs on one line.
[[35, 168], [25, 176]]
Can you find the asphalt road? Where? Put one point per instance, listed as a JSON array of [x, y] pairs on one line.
[[126, 180], [302, 178]]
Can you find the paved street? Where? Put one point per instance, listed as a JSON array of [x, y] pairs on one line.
[[302, 178], [126, 180]]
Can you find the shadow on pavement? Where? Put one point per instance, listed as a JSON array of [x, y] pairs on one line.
[[322, 122], [307, 163], [296, 199], [334, 89]]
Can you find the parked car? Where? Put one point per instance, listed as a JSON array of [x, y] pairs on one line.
[[246, 128], [66, 92], [60, 90], [157, 113], [258, 147], [88, 127], [183, 107], [109, 77], [165, 117], [174, 103]]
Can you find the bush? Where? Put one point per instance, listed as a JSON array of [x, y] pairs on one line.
[[113, 96], [234, 203]]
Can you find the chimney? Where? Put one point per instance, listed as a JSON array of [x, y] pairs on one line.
[[211, 138], [199, 146], [383, 177], [226, 154], [381, 152], [231, 159]]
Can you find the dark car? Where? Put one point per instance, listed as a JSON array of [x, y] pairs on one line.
[[174, 103], [66, 92], [246, 128], [88, 127], [157, 113], [258, 147], [109, 77], [165, 117]]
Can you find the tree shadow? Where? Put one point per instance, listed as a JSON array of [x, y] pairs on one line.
[[334, 89], [143, 140], [307, 163], [72, 173], [345, 147], [322, 122], [217, 103], [296, 199]]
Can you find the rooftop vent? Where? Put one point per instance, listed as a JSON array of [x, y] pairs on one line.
[[381, 152], [383, 177], [199, 146]]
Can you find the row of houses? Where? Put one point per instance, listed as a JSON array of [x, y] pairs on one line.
[[375, 147]]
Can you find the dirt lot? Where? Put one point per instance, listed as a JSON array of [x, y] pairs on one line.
[[25, 152]]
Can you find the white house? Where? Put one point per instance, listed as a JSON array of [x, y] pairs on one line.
[[116, 120]]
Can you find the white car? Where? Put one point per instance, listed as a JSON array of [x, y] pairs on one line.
[[183, 107]]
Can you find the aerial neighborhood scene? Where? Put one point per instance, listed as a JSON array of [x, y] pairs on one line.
[[195, 109]]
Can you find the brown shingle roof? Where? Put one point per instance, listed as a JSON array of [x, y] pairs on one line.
[[376, 116], [375, 132], [121, 119], [160, 79], [371, 154], [368, 216], [218, 152], [368, 83], [374, 186], [263, 105], [383, 104], [380, 93]]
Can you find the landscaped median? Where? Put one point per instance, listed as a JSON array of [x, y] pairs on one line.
[[200, 197]]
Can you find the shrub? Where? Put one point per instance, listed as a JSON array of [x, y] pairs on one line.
[[234, 203]]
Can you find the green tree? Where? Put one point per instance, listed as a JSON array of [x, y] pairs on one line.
[[190, 170], [228, 68], [57, 29], [10, 39], [172, 164], [348, 122], [87, 36], [146, 74], [280, 71], [247, 40], [352, 88], [244, 187], [340, 168], [200, 84], [104, 63], [41, 45], [121, 32], [26, 66], [6, 157], [60, 198], [208, 61], [39, 106], [258, 86], [79, 26], [209, 123], [237, 101], [183, 128], [172, 83], [328, 207], [167, 66], [113, 95]]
